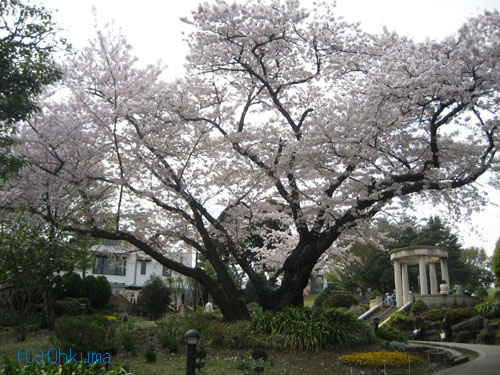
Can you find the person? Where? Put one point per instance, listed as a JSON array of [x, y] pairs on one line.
[[209, 307], [419, 327], [180, 308], [458, 288], [389, 301], [444, 288], [446, 333]]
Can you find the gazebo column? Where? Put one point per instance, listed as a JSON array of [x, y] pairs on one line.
[[444, 272], [423, 276], [406, 284], [433, 278], [397, 281]]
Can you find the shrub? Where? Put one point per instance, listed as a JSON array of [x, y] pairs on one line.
[[375, 293], [481, 292], [236, 335], [390, 336], [453, 316], [198, 320], [312, 329], [318, 302], [400, 322], [340, 300], [73, 306], [128, 338], [379, 359], [418, 307], [169, 334], [72, 284], [155, 297], [104, 291], [497, 294], [489, 309], [86, 333], [253, 307], [90, 289]]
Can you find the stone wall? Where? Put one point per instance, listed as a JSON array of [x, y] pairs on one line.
[[447, 300]]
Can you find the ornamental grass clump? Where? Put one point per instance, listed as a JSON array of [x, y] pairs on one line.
[[379, 359], [311, 329]]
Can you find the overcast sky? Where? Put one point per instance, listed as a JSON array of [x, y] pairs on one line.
[[154, 30]]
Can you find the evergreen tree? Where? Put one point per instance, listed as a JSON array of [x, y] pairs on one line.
[[155, 296], [27, 42], [495, 262]]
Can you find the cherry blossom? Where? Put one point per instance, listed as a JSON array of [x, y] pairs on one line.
[[291, 125]]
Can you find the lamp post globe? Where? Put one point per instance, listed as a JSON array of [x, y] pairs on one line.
[[192, 337]]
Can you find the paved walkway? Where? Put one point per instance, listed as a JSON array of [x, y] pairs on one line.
[[488, 362]]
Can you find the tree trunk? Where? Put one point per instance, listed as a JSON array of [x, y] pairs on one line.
[[229, 300], [297, 272], [48, 310]]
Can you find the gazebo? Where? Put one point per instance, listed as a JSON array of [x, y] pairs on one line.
[[422, 256]]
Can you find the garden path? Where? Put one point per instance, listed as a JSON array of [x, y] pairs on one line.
[[488, 362]]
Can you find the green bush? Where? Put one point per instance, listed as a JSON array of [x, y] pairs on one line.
[[73, 306], [390, 336], [253, 307], [453, 316], [312, 329], [12, 367], [489, 309], [418, 307], [375, 293], [400, 322], [128, 337], [72, 284], [481, 292], [169, 334], [340, 300], [90, 289], [86, 334], [104, 291], [155, 297], [318, 302]]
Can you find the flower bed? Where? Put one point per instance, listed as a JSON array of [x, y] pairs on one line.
[[378, 359]]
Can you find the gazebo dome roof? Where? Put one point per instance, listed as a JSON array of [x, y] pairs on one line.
[[411, 255]]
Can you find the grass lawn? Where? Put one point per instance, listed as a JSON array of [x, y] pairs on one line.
[[491, 292], [218, 362], [309, 300]]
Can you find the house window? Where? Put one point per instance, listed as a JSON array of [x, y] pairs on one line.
[[166, 271], [105, 266], [143, 268]]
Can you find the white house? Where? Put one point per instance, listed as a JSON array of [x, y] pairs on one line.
[[127, 269]]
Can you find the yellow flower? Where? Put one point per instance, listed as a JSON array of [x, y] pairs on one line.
[[378, 359]]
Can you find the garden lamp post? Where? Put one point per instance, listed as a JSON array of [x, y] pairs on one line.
[[191, 338]]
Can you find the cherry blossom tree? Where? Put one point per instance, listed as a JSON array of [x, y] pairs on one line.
[[290, 132]]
